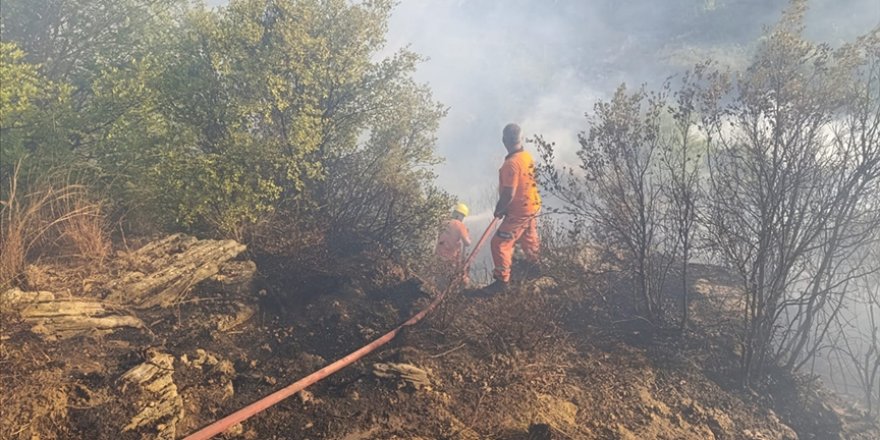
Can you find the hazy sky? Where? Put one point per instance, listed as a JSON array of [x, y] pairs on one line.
[[543, 63]]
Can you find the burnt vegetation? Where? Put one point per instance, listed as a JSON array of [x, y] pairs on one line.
[[772, 172], [199, 205]]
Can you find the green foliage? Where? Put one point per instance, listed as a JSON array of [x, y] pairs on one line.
[[75, 40], [213, 193], [34, 114], [380, 189], [21, 83], [214, 121]]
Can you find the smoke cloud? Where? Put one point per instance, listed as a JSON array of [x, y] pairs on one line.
[[545, 63]]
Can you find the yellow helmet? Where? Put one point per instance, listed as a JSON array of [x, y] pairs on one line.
[[462, 209]]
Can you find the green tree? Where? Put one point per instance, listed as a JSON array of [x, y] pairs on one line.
[[216, 121], [34, 114], [294, 87]]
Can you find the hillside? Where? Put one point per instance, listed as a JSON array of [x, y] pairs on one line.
[[202, 202], [181, 332]]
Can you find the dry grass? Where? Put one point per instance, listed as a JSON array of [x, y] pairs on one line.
[[54, 218], [86, 232]]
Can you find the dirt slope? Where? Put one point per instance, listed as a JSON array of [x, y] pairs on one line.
[[548, 352]]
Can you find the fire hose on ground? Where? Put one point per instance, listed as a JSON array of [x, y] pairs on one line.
[[270, 400]]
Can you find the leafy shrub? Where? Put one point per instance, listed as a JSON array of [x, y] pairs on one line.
[[219, 121]]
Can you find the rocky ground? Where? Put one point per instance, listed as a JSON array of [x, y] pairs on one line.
[[180, 332]]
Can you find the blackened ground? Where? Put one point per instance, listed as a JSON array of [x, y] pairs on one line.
[[557, 351]]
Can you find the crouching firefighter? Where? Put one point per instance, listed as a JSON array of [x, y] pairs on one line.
[[451, 244], [518, 205]]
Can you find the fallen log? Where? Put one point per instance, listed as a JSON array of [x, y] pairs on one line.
[[160, 407], [63, 318], [162, 272]]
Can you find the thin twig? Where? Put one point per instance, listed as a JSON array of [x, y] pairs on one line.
[[439, 355]]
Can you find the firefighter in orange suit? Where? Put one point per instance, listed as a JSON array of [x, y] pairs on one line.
[[451, 243], [518, 204]]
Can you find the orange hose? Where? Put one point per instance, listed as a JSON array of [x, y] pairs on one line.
[[270, 400]]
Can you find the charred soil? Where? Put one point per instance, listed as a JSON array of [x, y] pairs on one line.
[[554, 352]]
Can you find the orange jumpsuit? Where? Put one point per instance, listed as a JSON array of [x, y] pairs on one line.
[[449, 257], [452, 238], [520, 223]]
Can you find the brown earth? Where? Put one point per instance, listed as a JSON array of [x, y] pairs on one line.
[[548, 352]]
